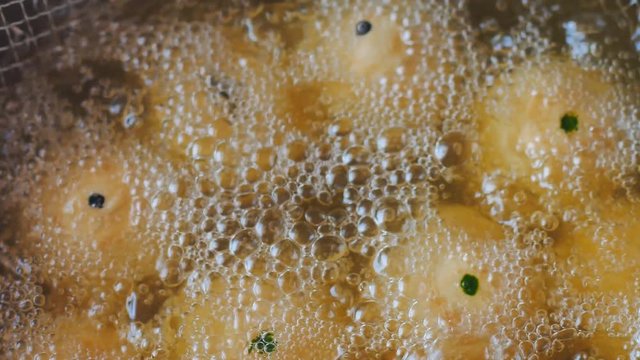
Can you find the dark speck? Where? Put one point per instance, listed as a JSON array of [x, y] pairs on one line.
[[469, 284], [96, 201], [569, 122], [363, 27]]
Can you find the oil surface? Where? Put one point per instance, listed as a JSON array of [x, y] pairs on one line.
[[326, 180]]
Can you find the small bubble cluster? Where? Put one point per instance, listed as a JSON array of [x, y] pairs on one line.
[[326, 180]]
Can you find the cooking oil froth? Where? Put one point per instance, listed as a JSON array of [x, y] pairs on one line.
[[326, 180]]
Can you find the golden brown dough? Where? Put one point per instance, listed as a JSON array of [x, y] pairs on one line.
[[463, 278], [77, 337], [208, 325], [86, 221], [550, 127]]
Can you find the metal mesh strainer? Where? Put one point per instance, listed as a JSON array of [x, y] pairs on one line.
[[27, 27]]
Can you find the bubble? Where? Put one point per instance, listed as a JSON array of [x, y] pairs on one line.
[[265, 158], [246, 200], [451, 149], [367, 226], [227, 226], [341, 127], [226, 154], [390, 214], [207, 187], [392, 261], [203, 148], [266, 290], [289, 282], [244, 243], [227, 178], [302, 233], [281, 195], [359, 175], [416, 174], [256, 265], [356, 155], [549, 222], [329, 248], [170, 273], [270, 227], [287, 252], [337, 177], [297, 151], [314, 215], [343, 294], [392, 140], [307, 192], [367, 312]]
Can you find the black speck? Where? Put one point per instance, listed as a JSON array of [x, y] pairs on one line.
[[363, 27], [96, 201], [224, 94]]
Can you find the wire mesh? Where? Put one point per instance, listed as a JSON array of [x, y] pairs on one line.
[[27, 28]]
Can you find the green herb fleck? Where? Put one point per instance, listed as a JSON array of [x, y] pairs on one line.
[[569, 122], [469, 284], [264, 343]]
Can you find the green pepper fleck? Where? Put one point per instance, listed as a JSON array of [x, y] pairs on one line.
[[569, 122], [469, 284], [264, 343]]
